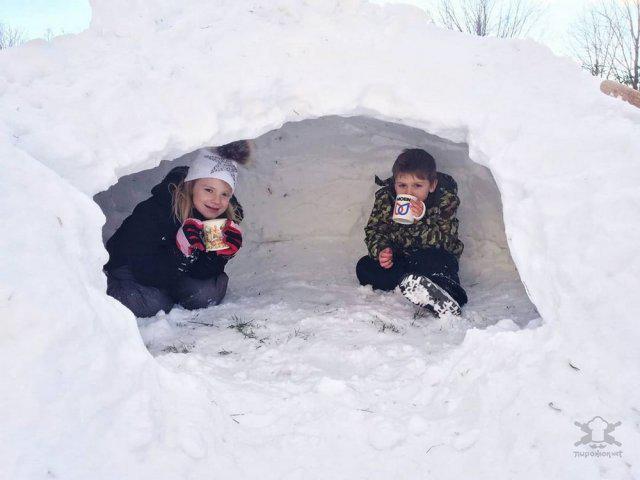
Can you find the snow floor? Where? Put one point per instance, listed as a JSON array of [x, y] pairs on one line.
[[273, 302], [312, 369]]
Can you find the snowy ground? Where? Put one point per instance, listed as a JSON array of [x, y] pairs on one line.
[[313, 369], [291, 291]]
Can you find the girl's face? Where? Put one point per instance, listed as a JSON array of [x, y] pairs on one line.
[[211, 197], [409, 184]]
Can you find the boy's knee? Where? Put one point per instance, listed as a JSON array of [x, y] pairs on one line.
[[196, 294], [364, 270], [432, 260], [369, 272]]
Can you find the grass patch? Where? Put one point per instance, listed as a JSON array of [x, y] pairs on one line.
[[183, 348], [298, 333], [384, 326], [246, 328]]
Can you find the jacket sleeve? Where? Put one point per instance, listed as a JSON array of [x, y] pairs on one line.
[[377, 232], [152, 254], [442, 225]]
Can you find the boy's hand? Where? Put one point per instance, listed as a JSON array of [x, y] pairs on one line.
[[417, 208], [385, 257]]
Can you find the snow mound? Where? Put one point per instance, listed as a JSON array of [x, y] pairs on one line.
[[83, 398]]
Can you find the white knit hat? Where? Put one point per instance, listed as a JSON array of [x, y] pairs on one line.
[[208, 164]]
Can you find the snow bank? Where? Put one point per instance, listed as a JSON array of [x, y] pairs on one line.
[[83, 398]]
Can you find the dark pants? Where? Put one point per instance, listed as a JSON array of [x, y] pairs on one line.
[[439, 266], [146, 301]]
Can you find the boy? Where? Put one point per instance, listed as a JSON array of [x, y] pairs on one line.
[[421, 258]]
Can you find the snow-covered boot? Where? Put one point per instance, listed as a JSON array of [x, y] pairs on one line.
[[421, 291]]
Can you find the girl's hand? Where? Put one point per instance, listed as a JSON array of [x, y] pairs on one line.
[[417, 209], [232, 237], [190, 237], [385, 257]]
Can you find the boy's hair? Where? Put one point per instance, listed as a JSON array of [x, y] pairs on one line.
[[416, 161], [182, 202]]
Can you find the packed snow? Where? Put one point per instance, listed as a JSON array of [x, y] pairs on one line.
[[301, 373]]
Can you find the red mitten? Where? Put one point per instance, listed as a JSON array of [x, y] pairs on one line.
[[233, 239], [190, 237]]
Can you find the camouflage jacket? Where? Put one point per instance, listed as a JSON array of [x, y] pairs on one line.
[[438, 228]]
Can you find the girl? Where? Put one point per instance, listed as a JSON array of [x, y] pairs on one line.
[[157, 257]]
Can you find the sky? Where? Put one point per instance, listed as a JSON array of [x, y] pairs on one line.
[[551, 29], [34, 17]]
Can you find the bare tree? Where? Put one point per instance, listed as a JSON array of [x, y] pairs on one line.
[[49, 34], [592, 43], [606, 40], [10, 37], [502, 18], [625, 19]]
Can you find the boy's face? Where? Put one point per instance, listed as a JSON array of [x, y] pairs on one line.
[[409, 184]]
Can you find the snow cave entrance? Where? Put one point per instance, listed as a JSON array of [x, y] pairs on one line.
[[307, 195]]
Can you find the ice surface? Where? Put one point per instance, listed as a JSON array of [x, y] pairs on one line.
[[82, 397]]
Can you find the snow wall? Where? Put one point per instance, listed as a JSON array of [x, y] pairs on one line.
[[81, 395]]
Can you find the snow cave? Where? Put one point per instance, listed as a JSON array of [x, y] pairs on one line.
[[300, 373], [307, 195]]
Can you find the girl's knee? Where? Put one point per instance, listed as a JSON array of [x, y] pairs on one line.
[[150, 308], [144, 305], [196, 294], [143, 301]]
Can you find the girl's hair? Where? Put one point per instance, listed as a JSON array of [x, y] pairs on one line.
[[182, 202], [417, 162]]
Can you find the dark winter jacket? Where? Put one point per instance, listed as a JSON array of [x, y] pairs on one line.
[[438, 228], [146, 240]]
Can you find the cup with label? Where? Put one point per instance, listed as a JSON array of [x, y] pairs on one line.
[[213, 236], [402, 210]]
